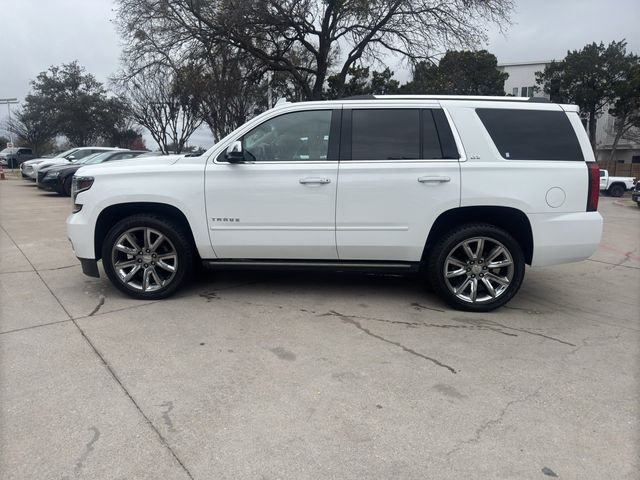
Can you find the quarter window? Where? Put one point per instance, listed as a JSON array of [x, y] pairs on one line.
[[531, 134], [297, 136]]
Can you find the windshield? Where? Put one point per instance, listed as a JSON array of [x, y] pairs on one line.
[[97, 158], [66, 153], [7, 150]]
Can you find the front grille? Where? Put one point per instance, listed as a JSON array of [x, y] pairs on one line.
[[41, 176]]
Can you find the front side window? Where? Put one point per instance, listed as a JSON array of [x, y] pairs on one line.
[[531, 134], [296, 136]]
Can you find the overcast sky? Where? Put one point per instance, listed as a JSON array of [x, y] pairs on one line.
[[39, 33]]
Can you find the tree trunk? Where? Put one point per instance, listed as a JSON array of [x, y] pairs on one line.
[[592, 129], [616, 140]]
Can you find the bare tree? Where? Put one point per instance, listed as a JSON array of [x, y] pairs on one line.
[[335, 35], [228, 87], [32, 128], [158, 101]]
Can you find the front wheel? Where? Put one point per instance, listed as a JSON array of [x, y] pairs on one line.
[[147, 257], [476, 267]]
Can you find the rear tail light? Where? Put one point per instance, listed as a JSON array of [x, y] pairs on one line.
[[594, 186]]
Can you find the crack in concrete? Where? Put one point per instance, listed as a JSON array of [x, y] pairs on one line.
[[491, 422], [585, 344], [429, 325], [87, 450], [350, 321], [491, 324], [614, 265], [97, 307]]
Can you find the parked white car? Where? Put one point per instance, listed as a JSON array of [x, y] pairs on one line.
[[615, 186], [471, 189], [29, 169]]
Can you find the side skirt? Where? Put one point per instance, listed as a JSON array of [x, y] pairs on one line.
[[316, 265]]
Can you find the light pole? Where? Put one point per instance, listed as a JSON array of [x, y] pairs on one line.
[[8, 102]]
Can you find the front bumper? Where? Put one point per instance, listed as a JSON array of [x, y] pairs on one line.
[[635, 196], [48, 183]]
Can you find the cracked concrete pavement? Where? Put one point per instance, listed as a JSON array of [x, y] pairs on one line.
[[307, 376]]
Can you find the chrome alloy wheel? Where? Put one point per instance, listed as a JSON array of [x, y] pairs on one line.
[[144, 259], [478, 269]]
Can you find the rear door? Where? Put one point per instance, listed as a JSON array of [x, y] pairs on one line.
[[399, 170]]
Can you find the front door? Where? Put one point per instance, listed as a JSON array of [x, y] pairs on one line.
[[280, 204]]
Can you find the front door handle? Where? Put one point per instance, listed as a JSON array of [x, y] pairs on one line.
[[434, 179], [316, 180]]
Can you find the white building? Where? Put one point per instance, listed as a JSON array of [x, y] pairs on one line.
[[522, 79]]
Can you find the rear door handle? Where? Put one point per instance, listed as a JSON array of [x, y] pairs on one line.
[[434, 179], [316, 180]]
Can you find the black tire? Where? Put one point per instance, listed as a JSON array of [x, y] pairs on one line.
[[176, 244], [616, 190], [448, 247], [66, 186]]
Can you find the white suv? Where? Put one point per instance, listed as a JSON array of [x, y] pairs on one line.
[[469, 188]]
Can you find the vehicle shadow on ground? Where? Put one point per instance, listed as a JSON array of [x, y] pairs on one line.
[[330, 284]]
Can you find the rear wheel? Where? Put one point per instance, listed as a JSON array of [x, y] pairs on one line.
[[476, 267], [616, 190], [147, 257]]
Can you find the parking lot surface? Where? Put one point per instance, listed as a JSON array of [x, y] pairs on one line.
[[308, 376]]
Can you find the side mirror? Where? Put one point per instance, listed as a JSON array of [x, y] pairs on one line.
[[234, 153], [71, 158]]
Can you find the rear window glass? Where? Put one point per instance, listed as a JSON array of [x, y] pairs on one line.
[[531, 134]]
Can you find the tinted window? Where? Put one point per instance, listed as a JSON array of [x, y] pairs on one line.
[[297, 136], [531, 134], [430, 142], [385, 134]]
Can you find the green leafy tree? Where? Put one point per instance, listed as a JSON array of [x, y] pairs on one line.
[[68, 101], [459, 73], [626, 108], [362, 82], [589, 78]]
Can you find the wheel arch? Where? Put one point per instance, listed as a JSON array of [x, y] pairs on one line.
[[616, 184], [114, 213], [514, 221]]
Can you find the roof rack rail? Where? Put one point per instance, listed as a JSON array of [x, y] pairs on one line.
[[449, 97]]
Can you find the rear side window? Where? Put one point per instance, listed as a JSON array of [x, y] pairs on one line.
[[385, 134], [398, 134], [531, 134]]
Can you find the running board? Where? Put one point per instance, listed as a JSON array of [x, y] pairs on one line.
[[350, 265]]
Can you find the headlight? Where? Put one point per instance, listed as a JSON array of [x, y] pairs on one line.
[[53, 174], [79, 185]]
